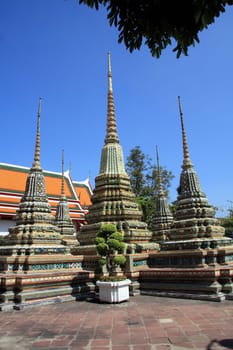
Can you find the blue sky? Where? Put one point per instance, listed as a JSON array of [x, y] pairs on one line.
[[57, 49]]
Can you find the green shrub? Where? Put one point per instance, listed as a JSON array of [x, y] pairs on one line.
[[102, 249], [102, 261], [119, 260], [113, 244], [109, 243], [99, 240], [118, 236]]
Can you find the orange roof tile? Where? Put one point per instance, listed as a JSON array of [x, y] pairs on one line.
[[7, 210], [53, 186], [8, 199], [84, 193], [12, 186], [12, 180]]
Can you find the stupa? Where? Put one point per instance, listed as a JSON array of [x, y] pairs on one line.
[[113, 200], [35, 266], [63, 220], [162, 219], [196, 261], [35, 230], [195, 225]]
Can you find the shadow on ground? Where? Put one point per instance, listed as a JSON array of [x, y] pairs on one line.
[[226, 343]]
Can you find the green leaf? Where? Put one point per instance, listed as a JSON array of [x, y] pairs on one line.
[[102, 249], [113, 243], [117, 236], [99, 240], [119, 260], [102, 261]]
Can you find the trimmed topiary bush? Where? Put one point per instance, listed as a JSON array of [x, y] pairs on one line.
[[109, 244]]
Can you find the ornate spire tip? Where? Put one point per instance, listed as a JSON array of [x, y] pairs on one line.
[[186, 162], [109, 73], [39, 106]]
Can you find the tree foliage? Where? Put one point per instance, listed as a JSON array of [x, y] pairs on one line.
[[144, 181], [160, 23], [227, 223], [137, 166]]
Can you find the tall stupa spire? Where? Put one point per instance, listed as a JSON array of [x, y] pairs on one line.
[[109, 73], [63, 179], [160, 186], [189, 182], [34, 220], [186, 161], [194, 216], [36, 163], [112, 159], [111, 132], [62, 218]]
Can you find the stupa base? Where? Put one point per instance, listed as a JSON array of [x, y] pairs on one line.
[[197, 243], [32, 249], [180, 254], [141, 247], [202, 283], [33, 289], [39, 262]]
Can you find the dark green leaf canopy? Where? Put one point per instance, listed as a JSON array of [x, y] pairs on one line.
[[159, 23]]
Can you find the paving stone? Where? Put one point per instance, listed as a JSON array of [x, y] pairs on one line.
[[41, 343], [166, 320], [159, 340], [163, 347], [100, 342], [186, 324]]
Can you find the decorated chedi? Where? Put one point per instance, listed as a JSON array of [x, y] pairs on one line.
[[162, 218], [113, 200], [194, 219], [35, 229], [196, 261], [62, 218], [37, 266]]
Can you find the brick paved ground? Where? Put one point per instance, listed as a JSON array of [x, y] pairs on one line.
[[143, 323]]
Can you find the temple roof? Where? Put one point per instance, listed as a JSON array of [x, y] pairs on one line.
[[12, 186]]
